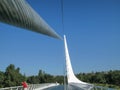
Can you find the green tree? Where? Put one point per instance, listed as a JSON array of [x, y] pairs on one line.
[[33, 80], [12, 76], [1, 79], [41, 77]]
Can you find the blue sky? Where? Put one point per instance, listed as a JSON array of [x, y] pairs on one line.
[[92, 28]]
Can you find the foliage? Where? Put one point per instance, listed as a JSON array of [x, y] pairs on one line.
[[43, 77], [1, 78], [13, 77], [108, 77]]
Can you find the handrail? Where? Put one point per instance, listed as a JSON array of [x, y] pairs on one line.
[[30, 87], [11, 88], [102, 88]]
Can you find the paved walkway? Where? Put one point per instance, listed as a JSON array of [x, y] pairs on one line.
[[45, 86]]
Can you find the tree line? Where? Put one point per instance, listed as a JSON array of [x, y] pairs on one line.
[[105, 77], [13, 77]]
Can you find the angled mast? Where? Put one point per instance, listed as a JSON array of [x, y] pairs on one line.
[[70, 75], [71, 78]]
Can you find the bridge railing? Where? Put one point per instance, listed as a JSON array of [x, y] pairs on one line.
[[102, 88], [30, 87], [12, 88]]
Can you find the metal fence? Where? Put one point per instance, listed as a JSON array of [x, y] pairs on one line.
[[30, 87]]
